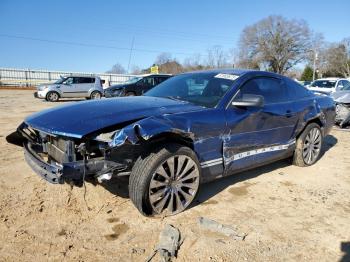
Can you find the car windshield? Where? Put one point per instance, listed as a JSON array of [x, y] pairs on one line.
[[133, 80], [346, 88], [324, 83], [61, 80], [204, 89]]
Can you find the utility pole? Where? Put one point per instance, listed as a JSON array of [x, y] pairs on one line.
[[314, 67], [132, 47]]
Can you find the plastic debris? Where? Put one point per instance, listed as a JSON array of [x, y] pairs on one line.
[[343, 115], [229, 231], [169, 243]]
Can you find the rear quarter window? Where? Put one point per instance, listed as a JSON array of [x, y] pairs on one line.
[[296, 91], [85, 80]]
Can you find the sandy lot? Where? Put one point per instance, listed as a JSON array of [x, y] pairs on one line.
[[289, 213]]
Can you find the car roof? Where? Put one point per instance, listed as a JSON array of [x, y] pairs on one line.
[[144, 75], [80, 76], [328, 79], [238, 72]]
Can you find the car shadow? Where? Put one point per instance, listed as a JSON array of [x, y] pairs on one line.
[[117, 185], [328, 142], [66, 100], [208, 190], [345, 248]]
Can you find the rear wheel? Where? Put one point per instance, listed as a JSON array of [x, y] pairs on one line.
[[52, 96], [308, 146], [166, 181], [96, 95]]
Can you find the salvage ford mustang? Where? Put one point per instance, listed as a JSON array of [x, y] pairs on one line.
[[193, 128]]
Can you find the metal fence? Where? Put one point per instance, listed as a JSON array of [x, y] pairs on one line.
[[31, 78]]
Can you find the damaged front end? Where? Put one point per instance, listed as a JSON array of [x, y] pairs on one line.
[[342, 101], [60, 159], [342, 115]]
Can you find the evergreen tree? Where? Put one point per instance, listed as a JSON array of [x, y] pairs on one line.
[[307, 74]]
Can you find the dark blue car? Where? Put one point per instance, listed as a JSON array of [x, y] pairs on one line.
[[190, 129]]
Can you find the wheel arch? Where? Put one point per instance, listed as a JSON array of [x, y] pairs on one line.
[[315, 120], [168, 138], [93, 90]]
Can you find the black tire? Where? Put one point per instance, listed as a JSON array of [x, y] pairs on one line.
[[95, 95], [130, 94], [144, 170], [299, 158], [52, 96]]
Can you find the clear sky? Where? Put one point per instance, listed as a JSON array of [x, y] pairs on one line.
[[93, 35]]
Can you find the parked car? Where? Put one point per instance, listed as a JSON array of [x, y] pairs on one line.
[[136, 86], [171, 139], [71, 87], [328, 85], [342, 100], [305, 83]]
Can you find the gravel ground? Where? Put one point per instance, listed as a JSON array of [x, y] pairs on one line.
[[288, 213]]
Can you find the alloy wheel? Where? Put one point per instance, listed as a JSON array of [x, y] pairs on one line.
[[53, 97], [174, 185], [312, 146]]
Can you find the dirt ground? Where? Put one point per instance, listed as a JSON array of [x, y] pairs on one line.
[[289, 213]]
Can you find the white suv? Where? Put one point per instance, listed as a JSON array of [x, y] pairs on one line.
[[328, 85], [71, 87]]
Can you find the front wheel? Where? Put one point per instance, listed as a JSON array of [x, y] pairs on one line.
[[308, 146], [52, 96], [166, 181]]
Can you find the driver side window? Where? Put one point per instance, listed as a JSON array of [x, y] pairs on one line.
[[271, 89], [68, 81]]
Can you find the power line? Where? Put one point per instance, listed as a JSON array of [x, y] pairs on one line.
[[90, 45]]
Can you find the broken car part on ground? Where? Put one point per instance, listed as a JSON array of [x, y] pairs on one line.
[[190, 129]]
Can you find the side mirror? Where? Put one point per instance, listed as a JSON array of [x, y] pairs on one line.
[[249, 100]]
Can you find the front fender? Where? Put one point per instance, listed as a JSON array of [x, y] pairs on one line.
[[150, 127], [54, 89]]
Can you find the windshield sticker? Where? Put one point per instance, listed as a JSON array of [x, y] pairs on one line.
[[227, 76]]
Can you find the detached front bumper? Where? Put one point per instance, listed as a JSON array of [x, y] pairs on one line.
[[67, 172]]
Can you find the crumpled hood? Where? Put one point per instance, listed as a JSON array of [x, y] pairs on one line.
[[341, 97], [82, 118]]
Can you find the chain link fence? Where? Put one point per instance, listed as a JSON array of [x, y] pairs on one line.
[[30, 78]]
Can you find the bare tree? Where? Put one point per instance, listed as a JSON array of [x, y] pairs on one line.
[[167, 64], [117, 69], [171, 67], [135, 70], [337, 59], [216, 57], [275, 43], [193, 63], [162, 58]]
